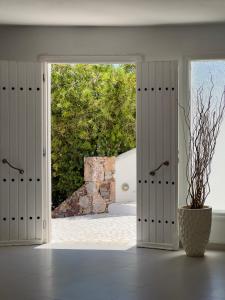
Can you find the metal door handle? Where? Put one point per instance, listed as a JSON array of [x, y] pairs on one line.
[[165, 163], [5, 161]]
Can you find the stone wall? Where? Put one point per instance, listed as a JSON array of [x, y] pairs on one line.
[[97, 192]]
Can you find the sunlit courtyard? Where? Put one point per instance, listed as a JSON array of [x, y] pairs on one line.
[[115, 228]]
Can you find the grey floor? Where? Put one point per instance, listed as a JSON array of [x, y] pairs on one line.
[[31, 273]]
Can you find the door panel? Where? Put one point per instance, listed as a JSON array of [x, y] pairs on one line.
[[21, 145], [156, 143]]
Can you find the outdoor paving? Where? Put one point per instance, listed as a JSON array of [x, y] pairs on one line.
[[118, 227]]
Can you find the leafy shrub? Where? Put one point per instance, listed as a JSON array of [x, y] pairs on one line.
[[93, 114]]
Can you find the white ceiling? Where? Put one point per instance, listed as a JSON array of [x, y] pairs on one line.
[[111, 13]]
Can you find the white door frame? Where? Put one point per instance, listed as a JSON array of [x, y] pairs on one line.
[[46, 60], [183, 96]]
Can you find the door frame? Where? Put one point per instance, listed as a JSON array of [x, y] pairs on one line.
[[46, 60]]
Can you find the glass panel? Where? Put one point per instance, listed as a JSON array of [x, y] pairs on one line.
[[201, 74]]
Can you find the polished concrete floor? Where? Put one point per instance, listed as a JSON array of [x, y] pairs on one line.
[[64, 272]]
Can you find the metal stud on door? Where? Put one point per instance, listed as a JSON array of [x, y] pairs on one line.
[[157, 154], [20, 153]]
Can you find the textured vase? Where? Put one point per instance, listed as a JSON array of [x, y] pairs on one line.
[[195, 227]]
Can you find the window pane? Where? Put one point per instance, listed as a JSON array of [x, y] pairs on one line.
[[201, 74]]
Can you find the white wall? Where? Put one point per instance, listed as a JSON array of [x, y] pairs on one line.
[[126, 173], [217, 231], [27, 43]]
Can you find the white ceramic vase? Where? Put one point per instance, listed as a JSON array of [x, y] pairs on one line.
[[194, 228]]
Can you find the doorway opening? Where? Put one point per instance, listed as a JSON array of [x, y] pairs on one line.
[[93, 154]]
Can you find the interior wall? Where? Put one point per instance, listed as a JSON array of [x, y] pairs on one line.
[[26, 43], [165, 42]]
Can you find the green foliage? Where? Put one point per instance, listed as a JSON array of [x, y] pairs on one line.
[[93, 114]]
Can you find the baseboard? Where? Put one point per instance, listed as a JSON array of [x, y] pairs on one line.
[[141, 244], [21, 243], [216, 246], [211, 246]]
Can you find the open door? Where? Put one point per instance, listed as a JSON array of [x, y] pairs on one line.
[[157, 154], [20, 153]]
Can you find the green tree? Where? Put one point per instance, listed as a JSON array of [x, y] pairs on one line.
[[93, 114]]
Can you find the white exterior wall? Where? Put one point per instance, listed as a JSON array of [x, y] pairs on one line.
[[126, 173]]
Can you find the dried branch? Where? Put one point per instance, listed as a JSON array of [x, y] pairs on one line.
[[203, 121]]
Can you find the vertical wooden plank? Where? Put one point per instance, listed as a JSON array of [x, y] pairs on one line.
[[38, 152], [139, 152], [145, 153], [13, 151], [159, 152], [30, 139], [152, 151], [167, 107], [22, 151], [4, 151], [174, 151]]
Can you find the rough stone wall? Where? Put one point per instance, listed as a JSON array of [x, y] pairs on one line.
[[97, 192]]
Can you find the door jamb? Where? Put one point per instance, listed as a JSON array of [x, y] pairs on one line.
[[46, 60]]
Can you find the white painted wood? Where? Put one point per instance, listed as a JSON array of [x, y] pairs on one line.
[[145, 152], [31, 120], [159, 178], [91, 59], [22, 149], [38, 151], [157, 129], [21, 144], [152, 152], [46, 182], [174, 154], [139, 152], [13, 150], [4, 150], [167, 110]]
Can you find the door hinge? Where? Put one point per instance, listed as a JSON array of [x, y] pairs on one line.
[[44, 224], [43, 77], [44, 152]]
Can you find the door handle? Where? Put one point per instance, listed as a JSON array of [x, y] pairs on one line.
[[165, 163], [5, 161]]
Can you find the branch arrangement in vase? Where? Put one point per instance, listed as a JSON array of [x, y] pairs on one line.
[[203, 121]]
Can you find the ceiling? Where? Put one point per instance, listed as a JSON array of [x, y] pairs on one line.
[[111, 13]]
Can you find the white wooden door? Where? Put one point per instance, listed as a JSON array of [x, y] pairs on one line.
[[157, 148], [20, 147]]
